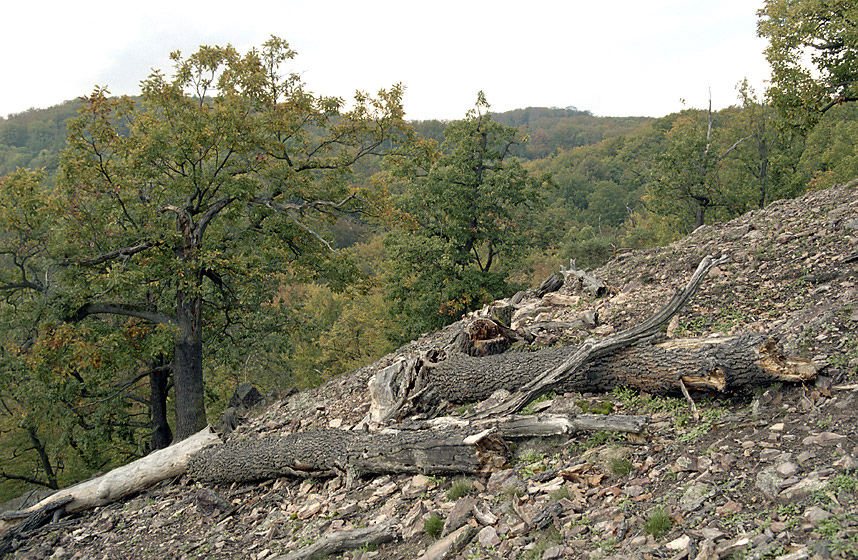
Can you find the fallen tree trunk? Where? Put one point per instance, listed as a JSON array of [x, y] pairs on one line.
[[421, 387], [736, 364], [439, 446], [338, 541], [333, 452], [123, 481]]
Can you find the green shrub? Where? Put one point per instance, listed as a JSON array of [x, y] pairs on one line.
[[433, 525], [658, 522], [461, 487]]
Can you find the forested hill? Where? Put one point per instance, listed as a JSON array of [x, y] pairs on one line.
[[34, 138]]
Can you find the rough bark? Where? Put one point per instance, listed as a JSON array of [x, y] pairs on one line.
[[420, 386], [331, 543], [589, 351], [333, 452], [188, 367], [737, 364], [439, 446], [162, 435]]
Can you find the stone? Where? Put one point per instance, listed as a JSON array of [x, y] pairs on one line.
[[802, 488], [847, 462], [787, 469], [825, 438], [488, 536], [694, 497], [729, 507], [386, 489], [245, 396], [768, 482], [459, 515], [502, 479], [680, 543], [815, 514]]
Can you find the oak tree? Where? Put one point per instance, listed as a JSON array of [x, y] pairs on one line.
[[185, 209]]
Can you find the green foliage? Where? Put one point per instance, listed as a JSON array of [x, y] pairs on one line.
[[461, 487], [812, 48], [433, 525], [34, 139], [620, 466], [658, 522], [175, 223], [464, 205]]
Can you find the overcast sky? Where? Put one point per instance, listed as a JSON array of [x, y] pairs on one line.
[[620, 57]]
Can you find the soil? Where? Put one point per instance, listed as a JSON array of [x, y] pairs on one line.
[[770, 474]]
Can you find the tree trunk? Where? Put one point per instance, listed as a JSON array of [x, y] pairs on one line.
[[739, 363], [162, 436], [338, 541], [440, 446], [188, 366], [126, 480], [419, 386]]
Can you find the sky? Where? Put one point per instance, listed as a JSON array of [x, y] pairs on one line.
[[612, 58]]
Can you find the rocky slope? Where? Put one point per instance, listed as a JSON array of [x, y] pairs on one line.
[[771, 474]]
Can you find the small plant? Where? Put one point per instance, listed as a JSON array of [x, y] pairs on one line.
[[532, 463], [461, 487], [561, 493], [658, 522], [433, 525], [511, 492], [603, 407], [620, 466], [531, 406]]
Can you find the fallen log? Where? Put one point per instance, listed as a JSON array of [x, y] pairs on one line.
[[332, 452], [421, 387], [123, 481], [438, 446], [719, 364], [338, 541]]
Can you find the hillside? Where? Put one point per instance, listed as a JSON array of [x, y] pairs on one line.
[[771, 474]]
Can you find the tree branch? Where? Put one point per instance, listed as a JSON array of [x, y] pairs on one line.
[[123, 252], [124, 309]]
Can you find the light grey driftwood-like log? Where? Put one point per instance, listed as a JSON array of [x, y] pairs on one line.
[[128, 479], [536, 425], [338, 541], [589, 283]]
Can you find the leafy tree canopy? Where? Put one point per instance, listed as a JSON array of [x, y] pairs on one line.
[[813, 52]]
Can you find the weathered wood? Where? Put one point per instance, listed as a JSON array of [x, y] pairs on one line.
[[331, 452], [438, 446], [735, 364], [589, 351], [422, 387], [587, 282], [332, 543], [128, 479], [536, 425]]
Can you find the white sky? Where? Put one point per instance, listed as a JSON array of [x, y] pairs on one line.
[[620, 57]]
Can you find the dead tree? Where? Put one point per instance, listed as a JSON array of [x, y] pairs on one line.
[[421, 386]]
